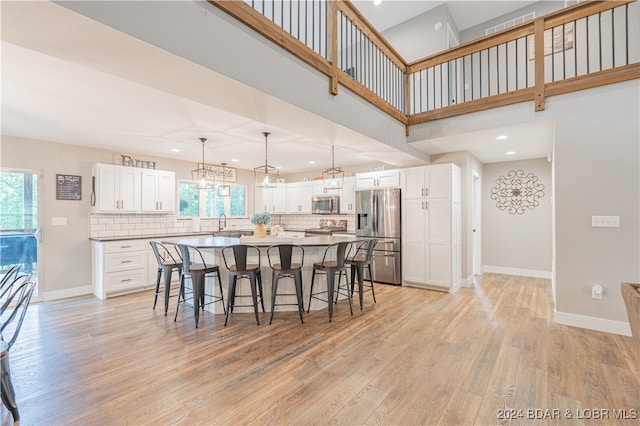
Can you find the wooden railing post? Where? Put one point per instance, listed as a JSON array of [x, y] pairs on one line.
[[332, 45], [538, 39]]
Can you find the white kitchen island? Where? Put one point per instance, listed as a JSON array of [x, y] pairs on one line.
[[314, 249]]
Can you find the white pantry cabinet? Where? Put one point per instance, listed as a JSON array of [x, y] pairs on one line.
[[116, 189], [431, 240], [380, 179], [348, 195], [158, 191]]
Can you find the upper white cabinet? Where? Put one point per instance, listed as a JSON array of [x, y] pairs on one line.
[[158, 191], [271, 200], [348, 195], [381, 179], [116, 189], [299, 197], [431, 240], [124, 189]]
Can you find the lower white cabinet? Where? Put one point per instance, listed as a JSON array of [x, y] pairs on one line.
[[431, 240], [119, 267]]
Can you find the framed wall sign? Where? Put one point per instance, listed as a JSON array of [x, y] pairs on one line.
[[68, 187], [216, 172]]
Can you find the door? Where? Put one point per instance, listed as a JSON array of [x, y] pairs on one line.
[[20, 234], [476, 208]]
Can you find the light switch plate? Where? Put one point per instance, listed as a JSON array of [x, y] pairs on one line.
[[58, 221], [605, 221]]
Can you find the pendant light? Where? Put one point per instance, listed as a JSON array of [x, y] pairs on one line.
[[224, 190], [201, 175], [266, 176], [334, 176]]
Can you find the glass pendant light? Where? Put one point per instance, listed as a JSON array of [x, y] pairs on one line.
[[334, 176], [201, 175], [224, 190], [266, 176]]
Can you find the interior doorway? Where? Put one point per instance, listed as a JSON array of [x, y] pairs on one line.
[[20, 234], [476, 222]]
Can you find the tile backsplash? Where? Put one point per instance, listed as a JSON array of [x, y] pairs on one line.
[[141, 225]]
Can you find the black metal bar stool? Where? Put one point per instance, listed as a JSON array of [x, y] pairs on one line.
[[286, 263], [197, 272], [167, 262], [241, 269], [12, 314], [360, 261], [333, 262]]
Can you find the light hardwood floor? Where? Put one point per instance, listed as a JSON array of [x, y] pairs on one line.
[[480, 356]]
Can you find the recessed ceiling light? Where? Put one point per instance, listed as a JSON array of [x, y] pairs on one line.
[[175, 150], [377, 2], [511, 152], [234, 160], [502, 137], [312, 162]]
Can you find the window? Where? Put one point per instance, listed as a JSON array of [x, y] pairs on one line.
[[206, 203]]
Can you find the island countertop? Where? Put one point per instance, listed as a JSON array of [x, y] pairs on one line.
[[219, 242]]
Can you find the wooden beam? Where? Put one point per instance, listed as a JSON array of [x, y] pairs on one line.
[[588, 81], [538, 35], [332, 37]]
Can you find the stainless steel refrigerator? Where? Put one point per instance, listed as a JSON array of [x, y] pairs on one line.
[[378, 216]]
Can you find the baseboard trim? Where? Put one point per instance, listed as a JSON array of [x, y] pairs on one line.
[[516, 271], [592, 323], [466, 282], [67, 293]]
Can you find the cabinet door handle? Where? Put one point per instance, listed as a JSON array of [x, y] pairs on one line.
[[426, 205], [126, 261], [125, 280], [426, 191]]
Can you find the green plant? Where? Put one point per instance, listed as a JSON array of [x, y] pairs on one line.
[[260, 218]]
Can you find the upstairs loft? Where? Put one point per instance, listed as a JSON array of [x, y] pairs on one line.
[[586, 45]]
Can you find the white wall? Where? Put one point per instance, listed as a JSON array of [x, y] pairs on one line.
[[596, 170], [517, 243]]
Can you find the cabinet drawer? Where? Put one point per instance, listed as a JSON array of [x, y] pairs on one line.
[[123, 282], [126, 261], [125, 246]]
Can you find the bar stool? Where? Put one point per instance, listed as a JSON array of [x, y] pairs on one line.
[[333, 262], [358, 262], [241, 269], [291, 259], [197, 272], [167, 262]]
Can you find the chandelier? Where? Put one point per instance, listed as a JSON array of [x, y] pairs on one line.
[[201, 175], [334, 176], [266, 176]]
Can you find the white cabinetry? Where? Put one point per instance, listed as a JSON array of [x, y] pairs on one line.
[[431, 240], [271, 200], [116, 189], [158, 191], [381, 179], [348, 195], [119, 267], [299, 197]]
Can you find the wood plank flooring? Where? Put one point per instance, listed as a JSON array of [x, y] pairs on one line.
[[489, 354]]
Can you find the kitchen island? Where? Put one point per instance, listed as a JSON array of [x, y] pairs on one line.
[[314, 249]]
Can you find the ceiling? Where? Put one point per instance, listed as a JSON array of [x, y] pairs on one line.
[[67, 78]]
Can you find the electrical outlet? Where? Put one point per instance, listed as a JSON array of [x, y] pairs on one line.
[[605, 221], [596, 292]]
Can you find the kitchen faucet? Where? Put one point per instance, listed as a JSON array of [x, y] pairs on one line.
[[221, 227]]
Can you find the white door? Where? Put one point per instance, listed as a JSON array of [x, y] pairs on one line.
[[476, 201]]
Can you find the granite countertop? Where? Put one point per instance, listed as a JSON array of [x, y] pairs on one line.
[[149, 237], [219, 242]]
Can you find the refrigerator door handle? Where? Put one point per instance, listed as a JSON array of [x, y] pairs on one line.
[[375, 213], [362, 217]]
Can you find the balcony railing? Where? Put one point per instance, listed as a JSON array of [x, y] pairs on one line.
[[586, 45]]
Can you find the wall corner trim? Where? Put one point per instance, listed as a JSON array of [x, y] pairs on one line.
[[593, 323]]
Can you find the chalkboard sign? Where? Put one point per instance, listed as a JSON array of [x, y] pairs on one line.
[[68, 187]]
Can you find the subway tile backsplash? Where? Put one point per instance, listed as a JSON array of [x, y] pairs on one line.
[[106, 226]]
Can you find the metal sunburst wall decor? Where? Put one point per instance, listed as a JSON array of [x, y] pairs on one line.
[[517, 192]]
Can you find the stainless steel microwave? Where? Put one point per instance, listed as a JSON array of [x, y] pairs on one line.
[[325, 204]]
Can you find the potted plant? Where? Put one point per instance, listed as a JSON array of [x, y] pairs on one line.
[[260, 220]]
